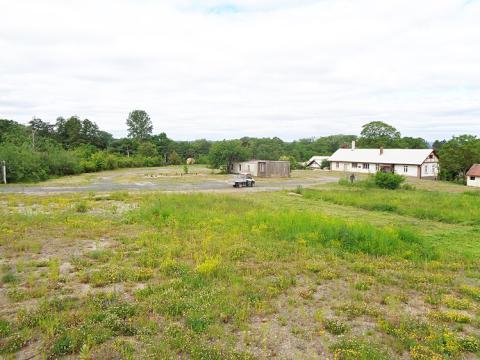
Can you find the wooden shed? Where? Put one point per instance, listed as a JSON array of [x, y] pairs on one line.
[[262, 168]]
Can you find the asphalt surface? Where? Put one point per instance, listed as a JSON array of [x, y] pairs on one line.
[[199, 186]]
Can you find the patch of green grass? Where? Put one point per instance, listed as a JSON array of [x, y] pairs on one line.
[[9, 278], [5, 328], [432, 205]]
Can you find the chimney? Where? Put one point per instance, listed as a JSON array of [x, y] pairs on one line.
[[381, 150], [353, 145]]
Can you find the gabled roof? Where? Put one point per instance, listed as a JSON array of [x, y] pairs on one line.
[[474, 170], [389, 156], [317, 159]]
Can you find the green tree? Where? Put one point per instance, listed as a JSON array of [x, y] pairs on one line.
[[147, 149], [458, 155], [12, 132], [139, 125], [291, 159], [69, 132], [377, 133], [438, 144], [174, 158], [42, 128], [412, 143], [163, 144], [223, 153]]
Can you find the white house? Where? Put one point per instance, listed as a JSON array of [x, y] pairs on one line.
[[420, 163], [473, 176], [315, 162]]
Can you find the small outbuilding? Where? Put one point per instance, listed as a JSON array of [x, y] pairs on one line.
[[315, 162], [262, 168], [473, 176]]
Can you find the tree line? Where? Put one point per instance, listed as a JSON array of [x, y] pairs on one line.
[[40, 150]]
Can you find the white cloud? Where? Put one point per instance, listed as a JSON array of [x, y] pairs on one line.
[[220, 69]]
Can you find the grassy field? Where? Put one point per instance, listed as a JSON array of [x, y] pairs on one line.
[[332, 272]]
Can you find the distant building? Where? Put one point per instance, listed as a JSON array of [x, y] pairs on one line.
[[420, 163], [473, 176], [315, 162], [262, 168]]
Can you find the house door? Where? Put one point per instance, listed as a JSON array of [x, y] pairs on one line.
[[262, 168]]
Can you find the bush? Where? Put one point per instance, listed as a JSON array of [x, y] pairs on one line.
[[147, 149], [23, 164], [390, 181], [61, 162], [202, 159]]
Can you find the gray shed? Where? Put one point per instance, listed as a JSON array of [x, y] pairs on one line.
[[262, 168]]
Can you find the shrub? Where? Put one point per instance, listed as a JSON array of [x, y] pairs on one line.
[[23, 164], [60, 162], [388, 180], [325, 164]]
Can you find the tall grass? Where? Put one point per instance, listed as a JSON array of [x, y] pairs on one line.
[[225, 218], [439, 206]]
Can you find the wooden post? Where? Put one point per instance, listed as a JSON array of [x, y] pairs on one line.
[[4, 172]]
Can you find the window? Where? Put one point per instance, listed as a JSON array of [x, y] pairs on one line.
[[262, 167], [405, 168], [377, 167], [366, 166], [430, 156], [426, 169], [354, 165], [248, 168], [337, 165], [472, 178], [239, 167]]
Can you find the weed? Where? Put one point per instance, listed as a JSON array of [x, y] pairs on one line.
[[353, 310], [473, 292], [457, 303], [299, 190], [362, 285], [9, 278], [81, 207], [450, 316], [335, 327], [209, 267], [355, 349], [5, 328]]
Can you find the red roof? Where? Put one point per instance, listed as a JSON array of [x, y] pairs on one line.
[[474, 170]]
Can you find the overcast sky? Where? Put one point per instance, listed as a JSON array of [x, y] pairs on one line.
[[225, 69]]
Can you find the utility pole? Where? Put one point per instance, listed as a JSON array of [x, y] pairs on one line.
[[4, 172]]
